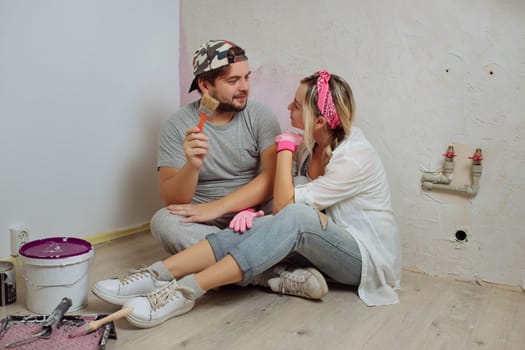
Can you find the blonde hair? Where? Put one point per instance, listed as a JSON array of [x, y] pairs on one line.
[[344, 105]]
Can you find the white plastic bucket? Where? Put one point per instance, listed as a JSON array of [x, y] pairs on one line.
[[54, 268]]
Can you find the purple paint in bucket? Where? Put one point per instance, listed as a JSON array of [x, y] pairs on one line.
[[54, 268]]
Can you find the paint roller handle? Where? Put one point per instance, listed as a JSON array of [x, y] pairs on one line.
[[57, 314], [54, 319]]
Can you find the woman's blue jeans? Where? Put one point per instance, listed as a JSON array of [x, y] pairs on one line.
[[296, 228]]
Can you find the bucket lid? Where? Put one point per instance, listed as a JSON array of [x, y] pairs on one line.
[[55, 248]]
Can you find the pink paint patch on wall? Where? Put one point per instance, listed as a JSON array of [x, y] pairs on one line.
[[274, 87]]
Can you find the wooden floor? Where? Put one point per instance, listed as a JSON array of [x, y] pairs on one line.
[[434, 313]]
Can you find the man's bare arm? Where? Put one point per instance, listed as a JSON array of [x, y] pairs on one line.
[[255, 192], [177, 185]]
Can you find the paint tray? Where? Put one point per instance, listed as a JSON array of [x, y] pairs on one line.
[[13, 328]]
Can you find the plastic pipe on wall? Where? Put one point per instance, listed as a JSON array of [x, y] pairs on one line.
[[470, 190], [445, 177], [477, 169]]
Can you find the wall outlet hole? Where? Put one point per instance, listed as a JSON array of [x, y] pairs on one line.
[[461, 236]]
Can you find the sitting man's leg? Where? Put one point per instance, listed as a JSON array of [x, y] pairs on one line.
[[175, 236]]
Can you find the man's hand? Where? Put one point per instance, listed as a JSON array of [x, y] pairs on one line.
[[243, 220], [195, 146], [196, 212]]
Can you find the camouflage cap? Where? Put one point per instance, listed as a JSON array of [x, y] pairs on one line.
[[213, 55]]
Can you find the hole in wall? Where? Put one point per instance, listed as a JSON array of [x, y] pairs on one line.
[[446, 70], [491, 72], [461, 236]]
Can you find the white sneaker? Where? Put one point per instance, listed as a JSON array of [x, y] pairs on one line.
[[137, 282], [307, 283], [159, 306], [261, 280]]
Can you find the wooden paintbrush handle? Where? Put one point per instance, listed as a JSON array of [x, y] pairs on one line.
[[93, 325], [202, 121]]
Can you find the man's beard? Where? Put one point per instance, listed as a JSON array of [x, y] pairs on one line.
[[229, 107]]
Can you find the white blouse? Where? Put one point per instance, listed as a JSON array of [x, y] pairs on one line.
[[354, 192]]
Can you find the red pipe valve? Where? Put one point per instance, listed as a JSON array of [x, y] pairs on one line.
[[450, 153], [477, 157]]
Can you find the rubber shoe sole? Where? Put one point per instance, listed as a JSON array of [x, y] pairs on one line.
[[149, 324], [322, 283]]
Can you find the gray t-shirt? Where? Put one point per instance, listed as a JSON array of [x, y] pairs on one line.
[[234, 149]]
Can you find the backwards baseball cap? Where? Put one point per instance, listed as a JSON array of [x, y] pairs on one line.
[[213, 55]]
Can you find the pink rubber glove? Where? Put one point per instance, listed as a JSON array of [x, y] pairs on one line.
[[243, 220], [288, 141]]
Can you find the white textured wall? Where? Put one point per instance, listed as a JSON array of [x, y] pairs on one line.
[[84, 86], [421, 73]]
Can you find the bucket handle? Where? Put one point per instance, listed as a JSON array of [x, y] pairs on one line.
[[56, 285]]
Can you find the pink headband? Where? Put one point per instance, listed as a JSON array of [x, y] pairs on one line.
[[325, 101]]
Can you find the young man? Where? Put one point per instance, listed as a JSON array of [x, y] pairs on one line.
[[208, 176]]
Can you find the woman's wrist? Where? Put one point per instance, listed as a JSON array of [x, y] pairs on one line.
[[286, 145]]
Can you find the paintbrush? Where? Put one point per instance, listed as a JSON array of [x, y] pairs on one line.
[[94, 325], [207, 106]]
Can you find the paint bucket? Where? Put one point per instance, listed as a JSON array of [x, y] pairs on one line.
[[7, 283], [54, 268]]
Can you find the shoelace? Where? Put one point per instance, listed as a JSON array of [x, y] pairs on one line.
[[137, 273], [292, 283], [161, 296]]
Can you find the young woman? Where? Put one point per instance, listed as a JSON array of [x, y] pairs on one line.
[[340, 220]]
